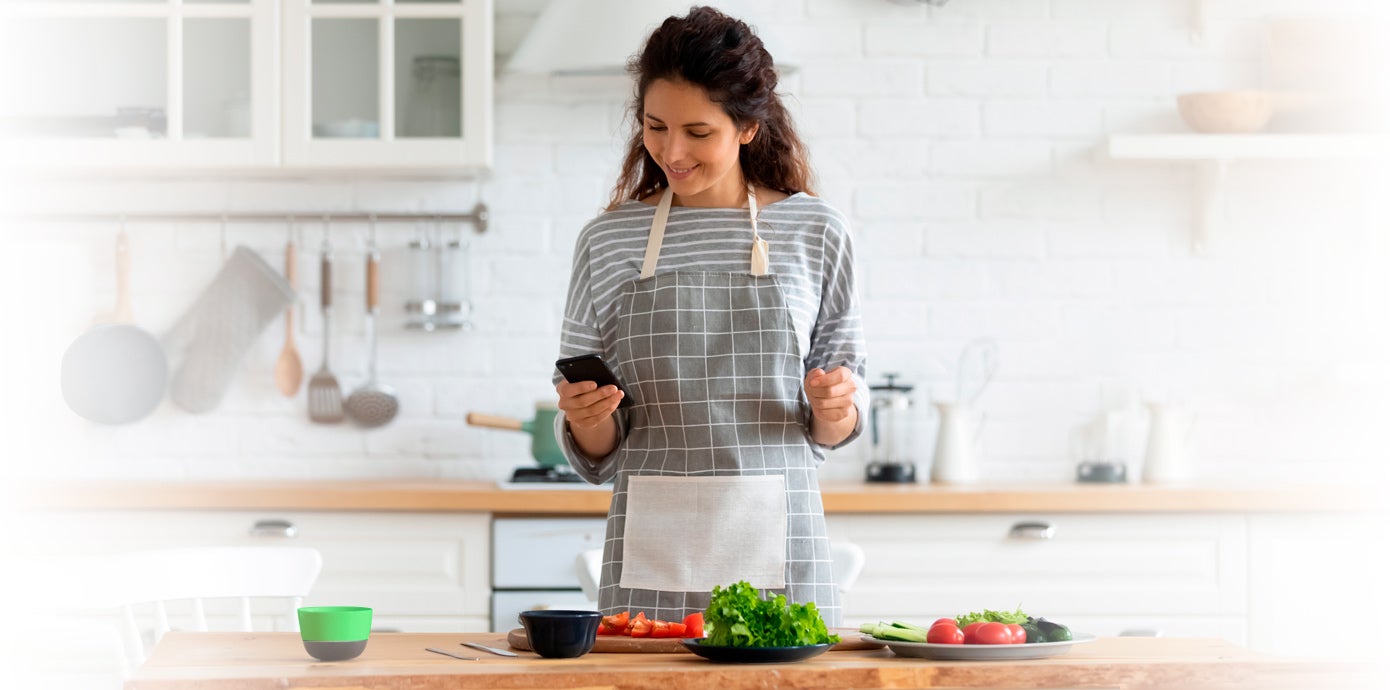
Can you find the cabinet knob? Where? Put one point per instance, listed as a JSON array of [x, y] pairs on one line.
[[283, 529], [1032, 530]]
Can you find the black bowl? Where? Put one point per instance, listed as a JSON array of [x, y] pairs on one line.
[[561, 634]]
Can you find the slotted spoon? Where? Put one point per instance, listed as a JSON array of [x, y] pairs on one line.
[[325, 396]]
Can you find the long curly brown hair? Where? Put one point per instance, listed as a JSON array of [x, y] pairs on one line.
[[724, 57]]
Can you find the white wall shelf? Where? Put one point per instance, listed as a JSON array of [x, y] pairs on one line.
[[1213, 153]]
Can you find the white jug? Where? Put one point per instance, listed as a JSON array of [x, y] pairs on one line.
[[1168, 458], [957, 442]]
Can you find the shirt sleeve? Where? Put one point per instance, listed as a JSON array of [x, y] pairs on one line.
[[579, 335], [837, 338]]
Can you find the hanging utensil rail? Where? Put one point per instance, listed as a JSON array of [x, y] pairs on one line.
[[478, 217]]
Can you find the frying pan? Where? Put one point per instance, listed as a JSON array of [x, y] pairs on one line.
[[544, 447], [115, 372]]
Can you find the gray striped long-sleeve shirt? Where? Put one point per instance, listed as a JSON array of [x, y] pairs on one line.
[[810, 252]]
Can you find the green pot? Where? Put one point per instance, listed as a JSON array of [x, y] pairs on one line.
[[544, 447]]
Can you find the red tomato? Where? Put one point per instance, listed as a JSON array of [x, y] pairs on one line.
[[661, 628], [1019, 634], [970, 631], [618, 622], [945, 633], [939, 621], [642, 628], [677, 630], [695, 625], [993, 633]]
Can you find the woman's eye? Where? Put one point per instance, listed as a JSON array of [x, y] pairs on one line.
[[699, 135], [654, 128]]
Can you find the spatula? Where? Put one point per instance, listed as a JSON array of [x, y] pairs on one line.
[[325, 395]]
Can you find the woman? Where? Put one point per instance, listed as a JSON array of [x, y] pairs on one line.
[[722, 294]]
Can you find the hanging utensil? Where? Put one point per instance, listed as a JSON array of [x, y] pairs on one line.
[[373, 404], [289, 368], [325, 396], [116, 372]]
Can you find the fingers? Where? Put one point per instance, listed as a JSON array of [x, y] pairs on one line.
[[585, 404], [831, 394]]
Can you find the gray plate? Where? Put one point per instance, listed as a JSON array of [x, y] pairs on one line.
[[983, 652]]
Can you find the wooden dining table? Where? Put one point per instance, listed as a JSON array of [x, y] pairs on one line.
[[399, 661]]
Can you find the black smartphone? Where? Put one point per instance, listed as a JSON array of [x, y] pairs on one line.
[[591, 368]]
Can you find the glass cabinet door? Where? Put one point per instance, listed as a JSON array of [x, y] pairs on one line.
[[139, 83], [403, 83]]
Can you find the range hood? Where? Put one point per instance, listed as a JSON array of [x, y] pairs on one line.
[[596, 37]]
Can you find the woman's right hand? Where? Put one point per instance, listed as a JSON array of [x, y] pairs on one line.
[[586, 406], [589, 413]]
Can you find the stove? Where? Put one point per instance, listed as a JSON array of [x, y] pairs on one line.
[[546, 475]]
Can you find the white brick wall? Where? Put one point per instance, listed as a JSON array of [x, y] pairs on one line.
[[960, 140]]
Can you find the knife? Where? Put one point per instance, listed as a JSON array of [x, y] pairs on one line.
[[485, 648], [456, 656]]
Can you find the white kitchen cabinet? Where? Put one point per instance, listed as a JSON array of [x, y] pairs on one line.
[[420, 572], [1177, 574], [388, 84], [247, 85], [140, 85], [1324, 571]]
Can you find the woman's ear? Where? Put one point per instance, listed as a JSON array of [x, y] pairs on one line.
[[748, 133]]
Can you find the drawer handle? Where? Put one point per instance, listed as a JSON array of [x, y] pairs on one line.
[[1032, 530], [283, 529]]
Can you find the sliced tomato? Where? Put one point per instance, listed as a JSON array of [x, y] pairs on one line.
[[632, 622], [661, 628], [618, 621], [605, 630], [641, 627], [695, 625], [678, 630]]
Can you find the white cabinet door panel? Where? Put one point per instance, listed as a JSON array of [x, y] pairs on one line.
[[1167, 565]]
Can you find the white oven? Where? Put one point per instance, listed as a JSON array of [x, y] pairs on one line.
[[533, 565]]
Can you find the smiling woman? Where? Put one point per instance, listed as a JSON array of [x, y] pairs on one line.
[[743, 356]]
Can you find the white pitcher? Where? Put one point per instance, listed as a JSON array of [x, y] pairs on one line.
[[957, 444], [1168, 457]]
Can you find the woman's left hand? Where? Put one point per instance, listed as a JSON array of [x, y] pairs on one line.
[[831, 394]]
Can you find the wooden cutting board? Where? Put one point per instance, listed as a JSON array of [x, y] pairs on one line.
[[621, 644]]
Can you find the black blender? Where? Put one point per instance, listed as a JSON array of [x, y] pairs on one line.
[[891, 429]]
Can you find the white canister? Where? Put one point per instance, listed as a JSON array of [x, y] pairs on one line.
[[1168, 458]]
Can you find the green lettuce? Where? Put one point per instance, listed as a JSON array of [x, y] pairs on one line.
[[738, 617], [988, 616]]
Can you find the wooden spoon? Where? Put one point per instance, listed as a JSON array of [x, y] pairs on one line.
[[289, 370]]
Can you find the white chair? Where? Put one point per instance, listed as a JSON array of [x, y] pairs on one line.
[[846, 558], [147, 586]]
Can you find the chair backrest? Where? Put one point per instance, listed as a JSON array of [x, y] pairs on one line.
[[846, 560], [157, 583]]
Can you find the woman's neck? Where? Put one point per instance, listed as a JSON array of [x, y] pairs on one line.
[[733, 195]]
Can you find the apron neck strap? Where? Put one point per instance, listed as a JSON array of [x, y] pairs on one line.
[[657, 233]]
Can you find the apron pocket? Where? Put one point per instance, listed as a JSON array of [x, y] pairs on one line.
[[689, 534]]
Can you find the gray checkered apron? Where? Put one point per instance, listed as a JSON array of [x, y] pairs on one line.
[[713, 365]]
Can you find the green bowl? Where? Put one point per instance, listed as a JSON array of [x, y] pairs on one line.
[[335, 633]]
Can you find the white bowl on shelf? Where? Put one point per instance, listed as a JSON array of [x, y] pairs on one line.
[[1226, 112]]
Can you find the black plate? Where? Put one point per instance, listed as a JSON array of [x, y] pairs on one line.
[[754, 655]]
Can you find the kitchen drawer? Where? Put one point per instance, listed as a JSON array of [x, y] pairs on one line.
[[539, 553], [419, 571], [507, 605], [1130, 566]]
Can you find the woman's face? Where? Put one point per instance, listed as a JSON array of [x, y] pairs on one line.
[[695, 142]]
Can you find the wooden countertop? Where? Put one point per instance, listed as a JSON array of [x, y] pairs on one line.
[[839, 497], [256, 661]]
